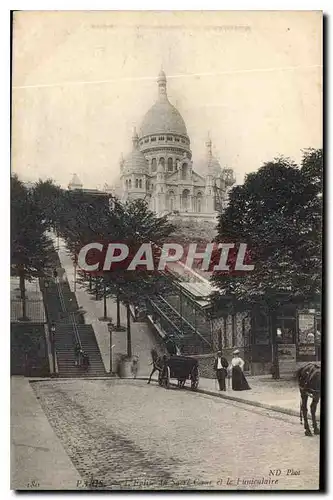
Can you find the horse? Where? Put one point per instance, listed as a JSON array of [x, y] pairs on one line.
[[309, 382], [157, 362]]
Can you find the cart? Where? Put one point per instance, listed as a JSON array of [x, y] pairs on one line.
[[182, 368]]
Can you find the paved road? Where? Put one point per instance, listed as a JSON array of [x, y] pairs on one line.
[[128, 435]]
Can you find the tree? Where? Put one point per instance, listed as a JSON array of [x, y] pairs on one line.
[[48, 198], [278, 213], [30, 247], [131, 223]]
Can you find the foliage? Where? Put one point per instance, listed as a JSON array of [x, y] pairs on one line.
[[278, 213], [30, 246]]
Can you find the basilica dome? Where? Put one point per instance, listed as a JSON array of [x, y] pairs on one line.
[[163, 117]]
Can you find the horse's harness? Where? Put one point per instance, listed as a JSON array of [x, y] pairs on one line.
[[306, 379]]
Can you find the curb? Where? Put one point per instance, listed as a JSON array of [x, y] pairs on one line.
[[278, 409], [66, 379]]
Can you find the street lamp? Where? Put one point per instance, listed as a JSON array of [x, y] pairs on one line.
[[53, 330], [110, 328]]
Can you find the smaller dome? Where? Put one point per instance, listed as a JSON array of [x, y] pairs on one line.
[[135, 163]]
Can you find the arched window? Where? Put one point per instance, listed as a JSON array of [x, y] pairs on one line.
[[162, 161], [153, 165], [136, 183], [170, 165], [185, 200], [140, 183], [184, 171], [129, 183]]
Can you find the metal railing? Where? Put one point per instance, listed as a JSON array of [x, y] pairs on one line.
[[71, 315], [179, 334], [184, 320]]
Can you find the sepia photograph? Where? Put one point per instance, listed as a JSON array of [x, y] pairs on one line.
[[166, 254]]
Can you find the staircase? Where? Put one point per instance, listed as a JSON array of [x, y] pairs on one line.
[[65, 340], [173, 324], [62, 310]]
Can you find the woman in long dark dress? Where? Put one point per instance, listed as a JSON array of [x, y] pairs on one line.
[[238, 380]]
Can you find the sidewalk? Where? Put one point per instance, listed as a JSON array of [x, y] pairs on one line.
[[36, 452], [276, 395], [279, 395]]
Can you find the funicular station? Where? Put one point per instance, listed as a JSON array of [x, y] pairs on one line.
[[188, 315]]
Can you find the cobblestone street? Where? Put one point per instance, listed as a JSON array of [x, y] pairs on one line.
[[128, 435]]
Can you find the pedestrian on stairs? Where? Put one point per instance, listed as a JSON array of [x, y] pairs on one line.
[[77, 351], [85, 361], [80, 357]]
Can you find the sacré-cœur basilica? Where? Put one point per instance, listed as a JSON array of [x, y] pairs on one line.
[[160, 169]]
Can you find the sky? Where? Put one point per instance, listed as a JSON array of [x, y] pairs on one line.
[[82, 80]]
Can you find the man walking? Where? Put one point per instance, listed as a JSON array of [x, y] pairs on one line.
[[220, 368]]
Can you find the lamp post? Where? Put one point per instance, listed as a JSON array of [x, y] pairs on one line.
[[53, 330], [110, 328]]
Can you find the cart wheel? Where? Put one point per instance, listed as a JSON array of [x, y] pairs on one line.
[[195, 379]]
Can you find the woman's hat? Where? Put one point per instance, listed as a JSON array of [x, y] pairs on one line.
[[236, 351]]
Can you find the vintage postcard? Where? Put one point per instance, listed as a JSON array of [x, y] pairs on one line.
[[166, 250]]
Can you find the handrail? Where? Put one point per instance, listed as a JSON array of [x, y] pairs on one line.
[[71, 314], [76, 331], [61, 297], [185, 320], [180, 335]]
